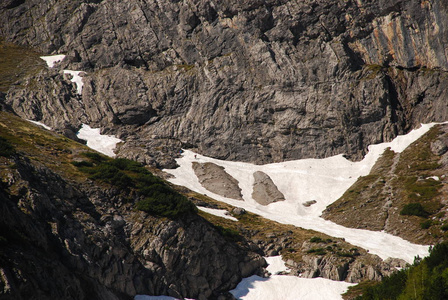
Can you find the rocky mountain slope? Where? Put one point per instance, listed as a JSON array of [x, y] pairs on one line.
[[251, 80], [404, 194], [63, 235], [67, 232]]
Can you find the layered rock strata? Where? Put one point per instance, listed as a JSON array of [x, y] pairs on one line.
[[259, 81]]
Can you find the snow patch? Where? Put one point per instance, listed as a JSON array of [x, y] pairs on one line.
[[96, 141], [289, 288], [276, 265], [217, 212], [323, 180], [52, 59], [77, 79], [40, 124]]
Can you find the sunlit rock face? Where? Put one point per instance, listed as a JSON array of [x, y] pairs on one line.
[[258, 81]]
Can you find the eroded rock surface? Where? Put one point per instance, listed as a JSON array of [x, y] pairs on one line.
[[215, 179], [258, 81], [264, 190], [61, 238]]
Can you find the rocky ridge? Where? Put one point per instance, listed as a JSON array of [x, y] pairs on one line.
[[259, 81], [65, 236]]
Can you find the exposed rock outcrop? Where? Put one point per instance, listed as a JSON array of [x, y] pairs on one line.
[[65, 237], [257, 81], [264, 190], [215, 179]]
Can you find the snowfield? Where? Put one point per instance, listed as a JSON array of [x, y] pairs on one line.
[[97, 141], [322, 180], [286, 287]]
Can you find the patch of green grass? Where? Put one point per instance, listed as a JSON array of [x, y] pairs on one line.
[[160, 199], [17, 62], [421, 190], [229, 233], [6, 149], [316, 239], [317, 251], [425, 224], [414, 209]]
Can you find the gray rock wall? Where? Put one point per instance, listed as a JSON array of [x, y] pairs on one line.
[[259, 81]]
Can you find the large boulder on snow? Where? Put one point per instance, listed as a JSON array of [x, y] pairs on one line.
[[215, 179], [265, 191]]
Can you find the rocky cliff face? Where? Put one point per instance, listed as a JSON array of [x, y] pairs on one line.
[[258, 81], [63, 236]]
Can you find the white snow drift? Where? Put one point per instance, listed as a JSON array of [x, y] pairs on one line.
[[323, 180], [217, 212], [76, 79], [52, 59], [40, 124], [289, 288], [97, 141]]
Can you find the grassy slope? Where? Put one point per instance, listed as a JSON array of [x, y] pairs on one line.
[[398, 181], [17, 62]]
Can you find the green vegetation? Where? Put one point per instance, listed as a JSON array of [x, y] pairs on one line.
[[425, 279], [414, 209], [160, 199], [6, 149], [425, 224], [185, 67], [317, 251], [15, 63], [229, 233]]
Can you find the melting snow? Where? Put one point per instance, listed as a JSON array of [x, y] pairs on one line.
[[95, 140], [323, 180], [40, 124], [76, 79], [217, 212], [289, 288], [276, 265], [51, 60]]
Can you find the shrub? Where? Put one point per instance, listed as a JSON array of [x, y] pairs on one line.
[[425, 224], [316, 239], [414, 209], [444, 227], [228, 233], [167, 205], [6, 149], [317, 251], [160, 199]]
